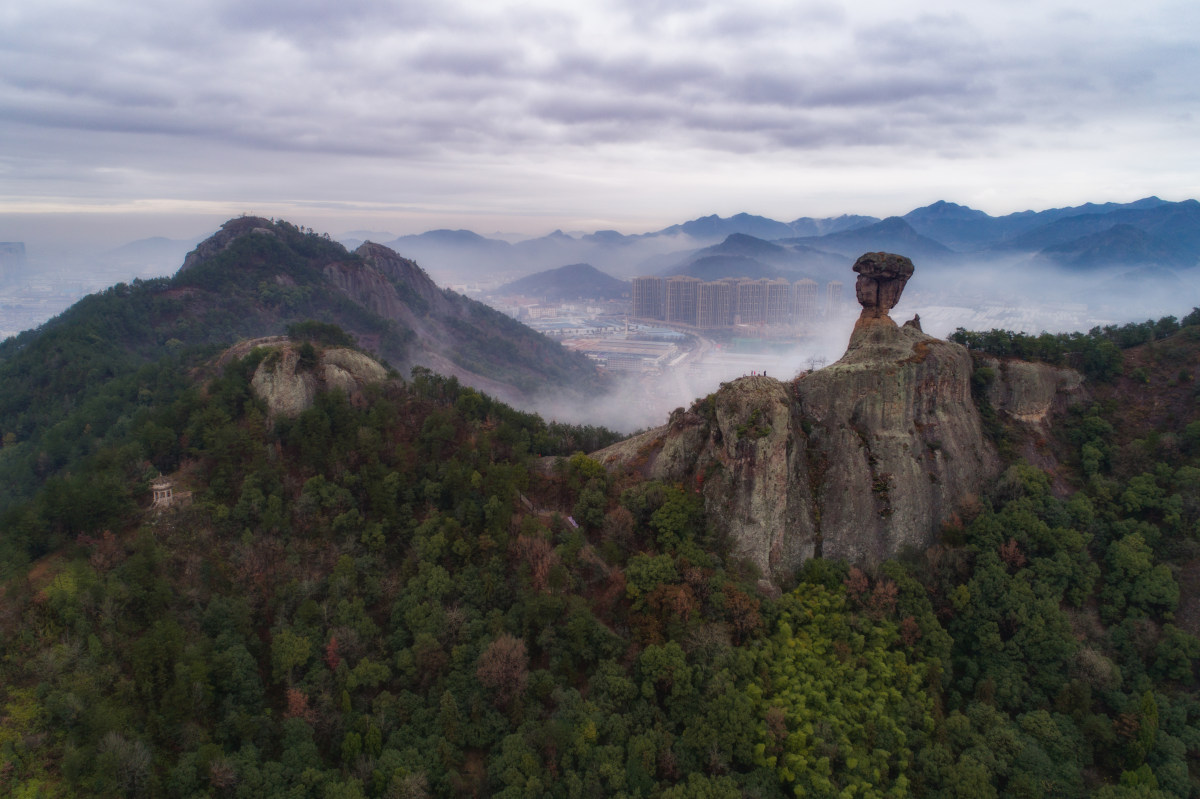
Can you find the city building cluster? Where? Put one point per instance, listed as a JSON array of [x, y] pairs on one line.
[[729, 302]]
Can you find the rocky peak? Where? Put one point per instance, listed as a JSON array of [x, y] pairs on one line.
[[881, 279], [220, 240], [856, 461], [399, 269]]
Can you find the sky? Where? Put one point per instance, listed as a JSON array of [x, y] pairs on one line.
[[126, 119]]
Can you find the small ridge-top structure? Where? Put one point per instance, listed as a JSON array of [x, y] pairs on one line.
[[163, 493]]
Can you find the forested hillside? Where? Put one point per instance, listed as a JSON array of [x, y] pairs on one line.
[[87, 378], [393, 599]]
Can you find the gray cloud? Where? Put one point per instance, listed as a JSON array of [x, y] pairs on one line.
[[415, 89]]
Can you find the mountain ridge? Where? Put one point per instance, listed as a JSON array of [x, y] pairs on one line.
[[570, 282], [256, 277]]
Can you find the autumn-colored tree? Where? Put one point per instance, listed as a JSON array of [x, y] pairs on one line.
[[857, 584], [539, 555], [742, 611], [883, 598], [332, 658], [1011, 554], [673, 600], [297, 706], [504, 669], [106, 550]]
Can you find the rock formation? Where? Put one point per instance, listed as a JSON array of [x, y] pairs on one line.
[[856, 461], [289, 386], [881, 279], [1030, 392], [220, 240]]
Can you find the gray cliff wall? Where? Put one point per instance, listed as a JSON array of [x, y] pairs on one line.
[[289, 390], [1031, 392], [856, 461], [745, 451], [901, 439]]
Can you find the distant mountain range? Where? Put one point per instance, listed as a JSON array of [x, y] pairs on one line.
[[571, 282], [1147, 233]]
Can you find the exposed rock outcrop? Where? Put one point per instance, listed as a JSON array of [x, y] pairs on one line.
[[289, 384], [881, 279], [1030, 392], [224, 237], [745, 449], [901, 438], [856, 461], [415, 280]]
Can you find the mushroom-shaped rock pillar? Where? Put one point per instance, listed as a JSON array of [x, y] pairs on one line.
[[881, 279]]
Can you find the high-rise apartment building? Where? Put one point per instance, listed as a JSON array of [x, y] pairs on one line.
[[804, 301], [833, 298], [714, 305], [779, 301], [752, 302], [649, 298], [682, 296]]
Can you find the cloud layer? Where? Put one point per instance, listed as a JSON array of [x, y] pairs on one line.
[[619, 112]]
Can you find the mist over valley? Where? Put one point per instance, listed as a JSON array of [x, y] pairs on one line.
[[1056, 270]]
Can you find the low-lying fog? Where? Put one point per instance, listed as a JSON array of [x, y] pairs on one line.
[[1015, 294], [1019, 292]]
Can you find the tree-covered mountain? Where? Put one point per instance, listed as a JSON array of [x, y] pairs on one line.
[[1121, 245], [68, 384], [969, 230], [391, 594], [715, 227], [421, 244], [940, 233]]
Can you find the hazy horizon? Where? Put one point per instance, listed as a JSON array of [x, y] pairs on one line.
[[127, 121], [96, 232], [526, 117]]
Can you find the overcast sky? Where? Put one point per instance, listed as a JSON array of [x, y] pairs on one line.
[[628, 114]]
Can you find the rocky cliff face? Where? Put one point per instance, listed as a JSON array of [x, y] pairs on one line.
[[901, 439], [221, 240], [288, 384], [389, 285], [856, 461], [1030, 393]]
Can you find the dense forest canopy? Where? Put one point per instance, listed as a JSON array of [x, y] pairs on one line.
[[430, 593], [1096, 353]]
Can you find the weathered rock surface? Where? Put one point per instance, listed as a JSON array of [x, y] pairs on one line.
[[1030, 392], [745, 450], [901, 436], [391, 286], [289, 388], [881, 280], [856, 461]]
